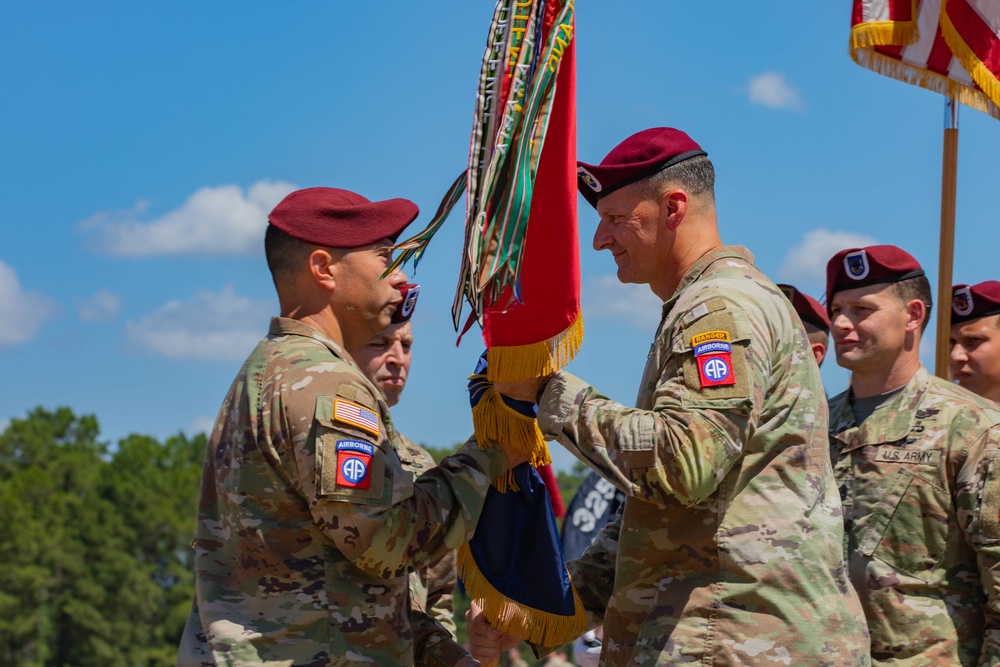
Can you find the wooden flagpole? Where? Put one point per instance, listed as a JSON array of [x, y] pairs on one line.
[[949, 185]]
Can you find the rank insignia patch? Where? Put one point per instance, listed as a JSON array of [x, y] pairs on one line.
[[714, 355], [354, 459], [355, 415]]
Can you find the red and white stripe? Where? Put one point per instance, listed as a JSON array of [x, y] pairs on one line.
[[951, 46]]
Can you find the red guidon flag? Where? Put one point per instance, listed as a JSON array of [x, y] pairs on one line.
[[948, 46]]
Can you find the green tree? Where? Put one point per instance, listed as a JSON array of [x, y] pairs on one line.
[[95, 548]]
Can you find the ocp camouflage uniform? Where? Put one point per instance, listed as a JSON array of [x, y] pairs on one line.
[[432, 588], [920, 480], [728, 550], [295, 563]]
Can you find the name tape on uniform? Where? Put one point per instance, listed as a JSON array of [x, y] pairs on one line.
[[355, 415], [354, 459], [930, 457]]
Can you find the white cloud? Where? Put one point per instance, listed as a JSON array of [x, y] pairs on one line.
[[21, 313], [771, 90], [104, 306], [217, 221], [805, 264], [201, 424], [4, 423], [606, 297], [209, 326]]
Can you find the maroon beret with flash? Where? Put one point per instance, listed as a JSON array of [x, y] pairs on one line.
[[970, 302], [338, 218], [809, 309], [640, 156], [860, 267]]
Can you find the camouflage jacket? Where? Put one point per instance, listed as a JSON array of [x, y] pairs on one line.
[[727, 550], [309, 524], [920, 479], [432, 588]]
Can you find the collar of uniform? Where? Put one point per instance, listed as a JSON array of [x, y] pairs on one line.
[[286, 326], [891, 422], [699, 267]]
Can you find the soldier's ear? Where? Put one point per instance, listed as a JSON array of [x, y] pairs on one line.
[[322, 268], [673, 206], [916, 312]]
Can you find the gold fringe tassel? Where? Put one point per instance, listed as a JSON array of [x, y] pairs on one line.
[[533, 625], [978, 70], [520, 362], [897, 33], [494, 421], [884, 33]]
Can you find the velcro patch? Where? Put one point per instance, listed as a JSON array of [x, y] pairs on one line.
[[930, 457], [708, 336], [355, 415], [354, 459]]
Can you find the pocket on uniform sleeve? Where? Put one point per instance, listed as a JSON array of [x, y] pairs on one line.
[[989, 510], [715, 368], [350, 464]]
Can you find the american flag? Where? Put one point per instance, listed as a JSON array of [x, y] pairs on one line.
[[356, 415], [948, 46]]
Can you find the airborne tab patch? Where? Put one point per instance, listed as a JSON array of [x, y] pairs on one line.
[[354, 459], [713, 354], [355, 415]]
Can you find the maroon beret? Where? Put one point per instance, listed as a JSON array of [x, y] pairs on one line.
[[860, 267], [969, 302], [340, 218], [404, 311], [809, 309], [641, 155]]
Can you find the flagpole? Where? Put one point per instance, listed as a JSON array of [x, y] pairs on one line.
[[949, 179]]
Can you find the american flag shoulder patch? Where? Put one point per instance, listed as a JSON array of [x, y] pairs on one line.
[[357, 415]]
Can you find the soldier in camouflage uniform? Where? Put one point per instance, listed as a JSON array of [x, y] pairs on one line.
[[385, 360], [728, 549], [918, 463], [974, 357], [814, 319], [308, 523]]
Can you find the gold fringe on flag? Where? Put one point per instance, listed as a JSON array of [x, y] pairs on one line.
[[494, 421], [520, 362], [884, 33], [866, 36], [532, 625], [976, 68]]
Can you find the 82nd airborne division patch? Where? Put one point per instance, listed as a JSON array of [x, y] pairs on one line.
[[713, 353]]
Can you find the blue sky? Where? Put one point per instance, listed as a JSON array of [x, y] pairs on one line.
[[143, 146]]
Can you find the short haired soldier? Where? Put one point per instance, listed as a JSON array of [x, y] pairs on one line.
[[728, 547], [385, 360], [308, 522], [919, 471], [974, 357], [814, 319]]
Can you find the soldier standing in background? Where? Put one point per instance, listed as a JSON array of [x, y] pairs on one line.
[[814, 319], [974, 359], [728, 550], [385, 360], [919, 472], [308, 523]]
